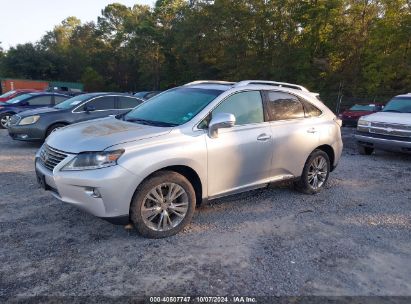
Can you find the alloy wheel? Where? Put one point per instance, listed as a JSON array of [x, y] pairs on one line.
[[164, 207], [5, 121], [317, 172]]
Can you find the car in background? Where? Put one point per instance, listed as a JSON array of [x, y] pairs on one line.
[[36, 125], [193, 143], [14, 93], [388, 130], [350, 117], [146, 94], [26, 102]]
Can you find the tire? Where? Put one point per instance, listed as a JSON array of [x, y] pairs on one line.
[[317, 165], [160, 219], [54, 127], [4, 120], [364, 150]]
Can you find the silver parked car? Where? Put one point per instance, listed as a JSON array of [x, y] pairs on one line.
[[197, 142]]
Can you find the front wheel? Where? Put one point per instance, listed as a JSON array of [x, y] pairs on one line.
[[163, 205], [5, 120], [315, 173], [54, 128]]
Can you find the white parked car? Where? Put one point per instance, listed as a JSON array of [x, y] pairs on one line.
[[388, 130]]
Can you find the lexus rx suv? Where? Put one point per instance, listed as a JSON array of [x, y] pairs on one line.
[[201, 141]]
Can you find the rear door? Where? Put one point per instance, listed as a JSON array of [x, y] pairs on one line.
[[295, 133], [127, 103]]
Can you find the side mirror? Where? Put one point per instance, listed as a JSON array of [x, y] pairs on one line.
[[88, 109], [219, 121]]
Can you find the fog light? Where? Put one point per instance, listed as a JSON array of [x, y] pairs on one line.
[[93, 192], [22, 136]]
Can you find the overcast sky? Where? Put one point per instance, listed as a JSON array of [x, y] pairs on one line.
[[27, 20]]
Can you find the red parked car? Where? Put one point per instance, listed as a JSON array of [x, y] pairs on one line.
[[350, 117], [14, 93]]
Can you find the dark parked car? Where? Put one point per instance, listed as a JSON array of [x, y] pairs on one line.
[[146, 94], [26, 102], [14, 93], [350, 117], [36, 125]]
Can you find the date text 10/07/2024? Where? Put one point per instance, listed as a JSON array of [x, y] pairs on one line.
[[233, 299]]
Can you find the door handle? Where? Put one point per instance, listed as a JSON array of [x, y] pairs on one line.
[[263, 137], [312, 130]]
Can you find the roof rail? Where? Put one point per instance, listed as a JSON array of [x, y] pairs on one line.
[[209, 82], [273, 83]]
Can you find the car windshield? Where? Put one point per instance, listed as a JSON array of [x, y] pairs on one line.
[[18, 98], [357, 107], [72, 102], [9, 93], [399, 105], [172, 108]]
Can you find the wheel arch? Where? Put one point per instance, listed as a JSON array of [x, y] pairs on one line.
[[65, 123], [330, 152]]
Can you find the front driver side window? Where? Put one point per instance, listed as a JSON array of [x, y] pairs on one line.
[[247, 107]]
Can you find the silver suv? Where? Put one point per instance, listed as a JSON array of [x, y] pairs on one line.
[[193, 143]]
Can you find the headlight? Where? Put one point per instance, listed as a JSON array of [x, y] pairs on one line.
[[29, 120], [93, 160], [364, 123]]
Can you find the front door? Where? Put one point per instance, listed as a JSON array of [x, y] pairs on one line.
[[240, 157]]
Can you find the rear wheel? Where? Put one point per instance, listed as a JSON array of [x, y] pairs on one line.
[[315, 173], [54, 128], [5, 120], [163, 205], [364, 150]]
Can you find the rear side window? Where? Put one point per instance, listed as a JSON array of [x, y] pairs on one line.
[[101, 103], [59, 99], [128, 102], [283, 106], [40, 101], [311, 110], [247, 107]]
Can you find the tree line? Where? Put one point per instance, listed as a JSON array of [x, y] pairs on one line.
[[360, 48]]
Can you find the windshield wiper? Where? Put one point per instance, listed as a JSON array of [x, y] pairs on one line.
[[151, 122]]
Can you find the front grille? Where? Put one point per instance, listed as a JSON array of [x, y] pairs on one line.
[[389, 129], [51, 157], [15, 119]]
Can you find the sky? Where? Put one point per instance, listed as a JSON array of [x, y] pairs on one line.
[[24, 21]]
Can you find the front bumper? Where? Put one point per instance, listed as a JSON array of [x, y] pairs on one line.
[[115, 185], [26, 133], [384, 142]]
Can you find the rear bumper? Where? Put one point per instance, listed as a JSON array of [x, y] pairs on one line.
[[26, 133], [384, 142]]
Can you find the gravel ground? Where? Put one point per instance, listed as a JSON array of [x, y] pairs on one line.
[[351, 239]]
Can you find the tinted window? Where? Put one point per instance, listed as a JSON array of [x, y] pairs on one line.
[[284, 106], [128, 102], [59, 99], [311, 110], [101, 103], [40, 101], [247, 107]]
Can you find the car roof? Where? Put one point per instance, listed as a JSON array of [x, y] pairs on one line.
[[408, 95], [107, 93], [46, 93]]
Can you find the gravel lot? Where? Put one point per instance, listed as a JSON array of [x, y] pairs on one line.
[[354, 238]]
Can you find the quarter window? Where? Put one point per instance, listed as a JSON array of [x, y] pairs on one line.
[[40, 101], [128, 102], [311, 110], [247, 107], [283, 106], [101, 103]]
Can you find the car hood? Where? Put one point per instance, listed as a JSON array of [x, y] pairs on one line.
[[38, 111], [390, 117], [99, 134]]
